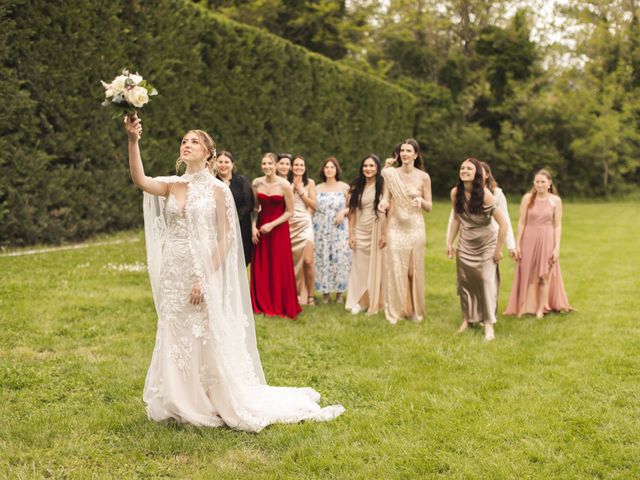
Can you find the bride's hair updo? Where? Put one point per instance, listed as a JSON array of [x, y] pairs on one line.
[[209, 145]]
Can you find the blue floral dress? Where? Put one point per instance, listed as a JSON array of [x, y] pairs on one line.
[[332, 253]]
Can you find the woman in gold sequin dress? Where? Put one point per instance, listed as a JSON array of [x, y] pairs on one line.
[[407, 195]]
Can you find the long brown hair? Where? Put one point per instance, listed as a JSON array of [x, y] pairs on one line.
[[336, 164], [489, 181], [534, 193], [357, 186], [305, 175], [474, 205]]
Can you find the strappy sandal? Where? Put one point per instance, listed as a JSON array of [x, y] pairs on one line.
[[311, 301]]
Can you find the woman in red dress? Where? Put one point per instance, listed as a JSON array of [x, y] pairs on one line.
[[273, 283]]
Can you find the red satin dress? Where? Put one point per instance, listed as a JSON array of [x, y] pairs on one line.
[[273, 283]]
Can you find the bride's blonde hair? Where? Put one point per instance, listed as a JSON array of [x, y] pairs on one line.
[[210, 147]]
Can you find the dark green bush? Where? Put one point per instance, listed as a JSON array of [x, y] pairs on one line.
[[63, 169]]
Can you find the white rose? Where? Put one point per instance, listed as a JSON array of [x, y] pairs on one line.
[[136, 78], [108, 91], [137, 96], [118, 84]]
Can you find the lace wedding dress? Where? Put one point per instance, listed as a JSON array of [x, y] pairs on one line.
[[205, 369]]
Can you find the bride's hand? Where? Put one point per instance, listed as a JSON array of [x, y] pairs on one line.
[[196, 297], [133, 126]]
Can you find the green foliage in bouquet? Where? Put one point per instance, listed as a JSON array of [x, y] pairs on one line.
[[127, 93]]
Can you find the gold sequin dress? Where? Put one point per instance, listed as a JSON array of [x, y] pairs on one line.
[[406, 244]]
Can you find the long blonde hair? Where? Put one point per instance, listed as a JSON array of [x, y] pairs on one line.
[[534, 193], [210, 147]]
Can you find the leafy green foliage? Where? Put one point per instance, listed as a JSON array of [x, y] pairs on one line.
[[63, 170]]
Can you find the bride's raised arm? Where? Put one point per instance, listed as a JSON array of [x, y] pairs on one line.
[[133, 126]]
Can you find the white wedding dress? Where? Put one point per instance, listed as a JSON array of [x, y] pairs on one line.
[[205, 369]]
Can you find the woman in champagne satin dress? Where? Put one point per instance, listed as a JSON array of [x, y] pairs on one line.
[[365, 291], [407, 194], [478, 251]]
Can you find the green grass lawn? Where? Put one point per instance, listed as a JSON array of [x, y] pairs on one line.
[[551, 398]]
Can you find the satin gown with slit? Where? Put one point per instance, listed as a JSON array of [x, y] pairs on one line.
[[273, 284], [404, 258]]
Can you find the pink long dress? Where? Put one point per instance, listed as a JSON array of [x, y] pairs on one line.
[[537, 248]]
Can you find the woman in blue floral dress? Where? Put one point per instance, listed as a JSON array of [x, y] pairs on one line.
[[331, 232]]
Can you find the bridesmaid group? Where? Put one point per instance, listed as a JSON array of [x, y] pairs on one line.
[[367, 239]]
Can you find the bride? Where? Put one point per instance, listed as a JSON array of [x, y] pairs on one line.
[[205, 369]]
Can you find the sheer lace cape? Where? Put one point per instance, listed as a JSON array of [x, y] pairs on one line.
[[239, 394], [216, 248]]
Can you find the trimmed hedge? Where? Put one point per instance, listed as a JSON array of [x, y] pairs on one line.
[[63, 169]]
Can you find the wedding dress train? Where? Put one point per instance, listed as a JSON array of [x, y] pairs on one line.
[[205, 368]]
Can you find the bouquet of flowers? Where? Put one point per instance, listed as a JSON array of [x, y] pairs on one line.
[[126, 93]]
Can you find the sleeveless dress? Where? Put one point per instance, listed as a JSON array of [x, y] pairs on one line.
[[538, 242], [406, 244], [332, 253], [301, 231], [273, 285], [365, 280], [477, 273], [205, 368]]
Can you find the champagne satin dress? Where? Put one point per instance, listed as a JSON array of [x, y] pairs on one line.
[[478, 277], [365, 291]]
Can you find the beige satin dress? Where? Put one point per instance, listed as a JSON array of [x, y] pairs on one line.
[[365, 291], [406, 244], [301, 232], [478, 277]]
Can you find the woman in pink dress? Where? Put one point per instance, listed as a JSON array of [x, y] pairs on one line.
[[537, 286]]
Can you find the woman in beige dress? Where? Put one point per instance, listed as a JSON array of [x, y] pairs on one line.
[[301, 229], [407, 195], [479, 249], [366, 241]]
